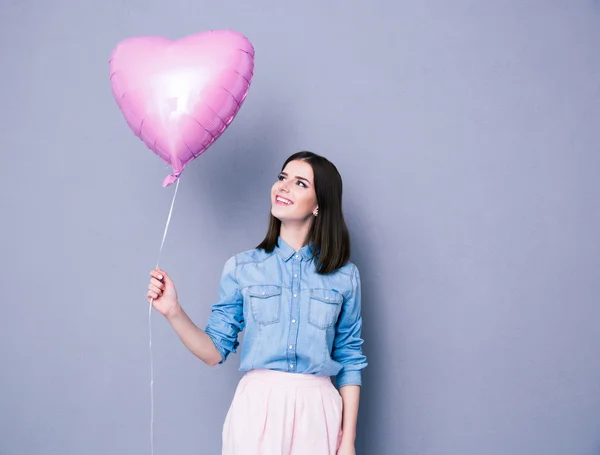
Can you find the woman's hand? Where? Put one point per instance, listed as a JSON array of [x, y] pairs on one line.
[[162, 293]]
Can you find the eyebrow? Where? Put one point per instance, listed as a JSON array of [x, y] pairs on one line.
[[297, 176]]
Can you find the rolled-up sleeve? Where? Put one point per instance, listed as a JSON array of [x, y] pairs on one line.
[[227, 317], [347, 344]]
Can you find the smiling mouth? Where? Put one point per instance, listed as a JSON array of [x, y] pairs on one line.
[[282, 200]]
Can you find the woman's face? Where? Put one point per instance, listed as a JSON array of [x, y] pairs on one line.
[[293, 197]]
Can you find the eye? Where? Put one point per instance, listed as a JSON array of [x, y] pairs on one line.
[[301, 183], [280, 177]]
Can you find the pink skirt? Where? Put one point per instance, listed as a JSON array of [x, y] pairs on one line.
[[278, 413]]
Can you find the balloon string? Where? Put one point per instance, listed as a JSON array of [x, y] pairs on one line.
[[150, 326]]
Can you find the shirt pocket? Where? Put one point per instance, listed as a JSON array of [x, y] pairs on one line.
[[265, 303], [323, 307]]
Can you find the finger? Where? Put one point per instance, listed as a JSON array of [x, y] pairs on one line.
[[151, 295], [164, 276], [155, 289], [157, 273], [157, 283]]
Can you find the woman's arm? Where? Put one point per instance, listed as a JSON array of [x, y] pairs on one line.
[[350, 397], [347, 343], [347, 350], [220, 336], [193, 338]]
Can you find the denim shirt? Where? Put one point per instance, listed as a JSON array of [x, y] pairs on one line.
[[295, 319]]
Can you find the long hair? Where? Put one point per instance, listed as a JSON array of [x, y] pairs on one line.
[[328, 232]]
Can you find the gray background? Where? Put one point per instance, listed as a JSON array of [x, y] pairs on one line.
[[467, 134]]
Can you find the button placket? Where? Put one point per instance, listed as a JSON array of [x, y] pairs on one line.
[[294, 312]]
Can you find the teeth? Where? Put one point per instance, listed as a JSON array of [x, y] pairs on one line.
[[285, 201]]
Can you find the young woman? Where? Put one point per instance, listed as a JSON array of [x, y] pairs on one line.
[[298, 298]]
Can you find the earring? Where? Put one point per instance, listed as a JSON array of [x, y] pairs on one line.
[[316, 211]]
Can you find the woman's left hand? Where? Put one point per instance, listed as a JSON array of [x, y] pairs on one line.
[[346, 448]]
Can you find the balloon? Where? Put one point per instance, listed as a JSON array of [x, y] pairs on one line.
[[179, 96]]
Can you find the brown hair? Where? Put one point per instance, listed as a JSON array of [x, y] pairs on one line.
[[328, 231]]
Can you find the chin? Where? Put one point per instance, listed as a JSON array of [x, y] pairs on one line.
[[276, 212], [283, 217]]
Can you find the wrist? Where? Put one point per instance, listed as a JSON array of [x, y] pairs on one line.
[[174, 313]]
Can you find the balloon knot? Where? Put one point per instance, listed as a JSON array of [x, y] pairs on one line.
[[170, 179]]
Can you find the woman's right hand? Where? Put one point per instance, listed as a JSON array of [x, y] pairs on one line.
[[162, 293]]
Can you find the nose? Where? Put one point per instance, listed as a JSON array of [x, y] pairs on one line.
[[283, 187]]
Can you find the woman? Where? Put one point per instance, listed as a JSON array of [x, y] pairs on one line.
[[298, 298]]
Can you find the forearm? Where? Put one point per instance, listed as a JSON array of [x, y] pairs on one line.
[[350, 398], [194, 338]]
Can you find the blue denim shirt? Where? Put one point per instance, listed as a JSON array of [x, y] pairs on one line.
[[295, 319]]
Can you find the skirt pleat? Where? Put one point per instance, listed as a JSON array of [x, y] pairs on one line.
[[278, 413]]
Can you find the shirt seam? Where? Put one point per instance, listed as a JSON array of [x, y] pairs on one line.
[[251, 260]]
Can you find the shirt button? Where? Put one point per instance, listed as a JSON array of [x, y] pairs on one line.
[[291, 365], [291, 347], [297, 256], [293, 321], [295, 295], [295, 276]]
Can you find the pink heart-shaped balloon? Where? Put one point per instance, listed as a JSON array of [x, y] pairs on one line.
[[180, 96]]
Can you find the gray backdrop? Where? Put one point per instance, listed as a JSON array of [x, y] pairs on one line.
[[467, 136]]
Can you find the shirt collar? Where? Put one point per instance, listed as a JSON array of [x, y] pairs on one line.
[[286, 251]]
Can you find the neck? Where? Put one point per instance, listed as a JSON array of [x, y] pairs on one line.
[[294, 235]]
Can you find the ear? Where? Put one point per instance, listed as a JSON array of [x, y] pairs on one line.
[[316, 211]]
